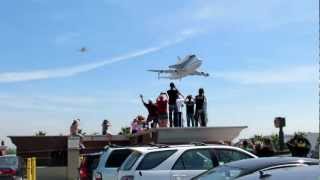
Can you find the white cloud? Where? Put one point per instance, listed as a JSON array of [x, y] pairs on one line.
[[8, 77], [298, 74]]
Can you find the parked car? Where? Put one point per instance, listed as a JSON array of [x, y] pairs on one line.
[[295, 173], [109, 162], [11, 167], [234, 170], [177, 162], [88, 164]]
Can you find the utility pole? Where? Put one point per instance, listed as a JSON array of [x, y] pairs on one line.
[[319, 75], [280, 122]]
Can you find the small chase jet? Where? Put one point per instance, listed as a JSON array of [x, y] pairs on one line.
[[185, 67]]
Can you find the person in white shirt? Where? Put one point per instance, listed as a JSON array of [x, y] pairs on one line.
[[178, 120]]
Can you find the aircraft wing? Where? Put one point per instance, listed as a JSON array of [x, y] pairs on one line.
[[197, 73], [163, 71]]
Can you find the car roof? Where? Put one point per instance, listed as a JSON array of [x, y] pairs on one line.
[[155, 148], [262, 163], [92, 154], [10, 155], [294, 173]]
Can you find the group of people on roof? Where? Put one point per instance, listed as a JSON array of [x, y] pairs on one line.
[[167, 110]]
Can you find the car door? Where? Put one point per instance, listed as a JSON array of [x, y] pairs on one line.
[[192, 163], [147, 168], [229, 155]]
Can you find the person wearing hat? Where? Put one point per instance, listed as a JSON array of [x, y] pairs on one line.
[[200, 114], [105, 126]]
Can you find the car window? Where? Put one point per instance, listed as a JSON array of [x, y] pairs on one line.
[[117, 157], [130, 161], [196, 159], [153, 159], [229, 155]]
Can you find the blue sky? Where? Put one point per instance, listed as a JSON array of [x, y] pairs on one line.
[[262, 56]]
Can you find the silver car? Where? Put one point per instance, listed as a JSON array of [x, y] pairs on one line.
[[11, 167], [109, 162], [242, 168], [295, 173]]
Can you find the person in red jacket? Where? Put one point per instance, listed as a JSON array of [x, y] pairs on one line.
[[162, 104]]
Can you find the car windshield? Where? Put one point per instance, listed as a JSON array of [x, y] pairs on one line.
[[8, 161], [222, 173], [132, 159]]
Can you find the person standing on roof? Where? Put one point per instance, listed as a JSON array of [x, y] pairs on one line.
[[173, 94], [74, 128], [153, 112], [178, 120], [189, 110], [201, 108], [162, 104], [105, 126]]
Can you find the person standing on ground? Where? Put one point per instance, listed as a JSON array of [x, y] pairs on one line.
[[173, 95], [201, 103], [178, 119], [299, 145], [105, 126], [162, 104], [2, 148], [153, 112], [189, 110]]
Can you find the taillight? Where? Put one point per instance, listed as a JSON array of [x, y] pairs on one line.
[[98, 176], [127, 178], [8, 172], [83, 173]]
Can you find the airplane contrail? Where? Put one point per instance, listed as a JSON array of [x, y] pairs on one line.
[[8, 77]]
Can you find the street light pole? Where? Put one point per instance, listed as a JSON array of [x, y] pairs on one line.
[[319, 75]]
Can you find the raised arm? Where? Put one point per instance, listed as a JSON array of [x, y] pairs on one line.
[[141, 97]]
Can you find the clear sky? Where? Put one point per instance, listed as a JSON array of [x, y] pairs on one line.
[[262, 56]]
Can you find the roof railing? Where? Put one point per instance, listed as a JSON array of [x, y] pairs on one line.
[[159, 145], [198, 143]]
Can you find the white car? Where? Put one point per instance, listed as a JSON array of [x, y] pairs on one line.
[[181, 162], [109, 162]]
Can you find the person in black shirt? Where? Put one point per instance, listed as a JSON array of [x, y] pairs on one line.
[[201, 103], [190, 110], [173, 95], [153, 112]]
